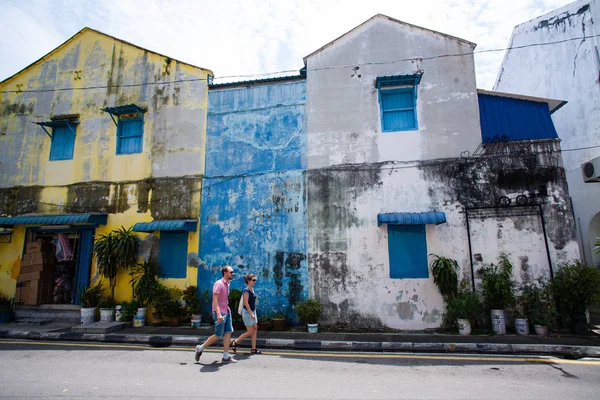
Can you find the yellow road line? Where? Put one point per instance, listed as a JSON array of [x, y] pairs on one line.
[[323, 354]]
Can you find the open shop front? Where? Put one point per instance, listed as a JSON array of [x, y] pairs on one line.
[[57, 257]]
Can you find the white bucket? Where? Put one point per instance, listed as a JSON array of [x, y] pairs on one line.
[[541, 330], [118, 313], [313, 328], [139, 321], [464, 327], [87, 315], [196, 319], [142, 312], [522, 326], [498, 325], [107, 314]]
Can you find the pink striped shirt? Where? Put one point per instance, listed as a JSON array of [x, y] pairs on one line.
[[222, 288]]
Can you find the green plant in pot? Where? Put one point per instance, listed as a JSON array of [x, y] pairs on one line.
[[193, 305], [278, 320], [235, 295], [129, 310], [6, 308], [445, 275], [159, 298], [463, 310], [309, 312], [576, 287], [497, 291], [114, 251], [539, 306]]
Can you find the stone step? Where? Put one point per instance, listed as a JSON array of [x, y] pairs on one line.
[[101, 327], [67, 313]]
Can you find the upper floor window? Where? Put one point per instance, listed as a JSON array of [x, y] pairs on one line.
[[62, 136], [398, 102], [130, 127]]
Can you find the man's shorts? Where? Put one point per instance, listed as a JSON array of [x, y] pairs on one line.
[[247, 320], [221, 328]]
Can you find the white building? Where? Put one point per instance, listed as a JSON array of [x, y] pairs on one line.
[[395, 165], [567, 69]]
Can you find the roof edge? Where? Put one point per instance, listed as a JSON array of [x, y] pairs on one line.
[[392, 20], [553, 104], [82, 31]]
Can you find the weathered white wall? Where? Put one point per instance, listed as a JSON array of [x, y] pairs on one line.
[[355, 171], [566, 71]]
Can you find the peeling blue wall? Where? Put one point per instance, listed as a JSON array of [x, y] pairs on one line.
[[253, 213]]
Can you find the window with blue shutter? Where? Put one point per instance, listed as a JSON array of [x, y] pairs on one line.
[[129, 120], [398, 102], [407, 247], [63, 142], [172, 254], [130, 134]]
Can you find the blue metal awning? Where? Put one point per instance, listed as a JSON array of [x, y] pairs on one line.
[[397, 80], [188, 225], [407, 218], [60, 219]]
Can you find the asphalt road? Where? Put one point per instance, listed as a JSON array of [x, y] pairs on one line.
[[77, 370]]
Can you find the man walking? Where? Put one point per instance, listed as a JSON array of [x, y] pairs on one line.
[[221, 315]]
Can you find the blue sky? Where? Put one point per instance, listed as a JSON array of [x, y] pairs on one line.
[[250, 37]]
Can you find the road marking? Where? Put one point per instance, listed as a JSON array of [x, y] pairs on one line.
[[541, 359]]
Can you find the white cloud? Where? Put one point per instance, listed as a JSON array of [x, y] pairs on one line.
[[250, 37]]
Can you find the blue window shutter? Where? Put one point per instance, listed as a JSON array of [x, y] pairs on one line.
[[63, 141], [407, 248], [398, 111], [172, 254], [130, 136]]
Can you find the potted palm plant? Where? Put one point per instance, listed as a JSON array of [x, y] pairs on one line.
[[309, 312], [576, 287], [90, 299], [445, 275], [497, 291], [158, 299], [143, 280], [114, 251]]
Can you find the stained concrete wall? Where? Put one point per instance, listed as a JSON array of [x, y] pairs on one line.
[[356, 172], [567, 70], [254, 197], [89, 72]]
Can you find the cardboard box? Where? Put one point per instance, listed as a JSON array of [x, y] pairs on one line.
[[31, 276], [25, 269], [33, 246]]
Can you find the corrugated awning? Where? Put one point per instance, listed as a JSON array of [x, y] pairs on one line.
[[188, 225], [407, 218], [60, 219]]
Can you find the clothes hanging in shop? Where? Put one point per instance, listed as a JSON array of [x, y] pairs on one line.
[[63, 248]]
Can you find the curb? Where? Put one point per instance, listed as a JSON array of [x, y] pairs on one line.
[[568, 351]]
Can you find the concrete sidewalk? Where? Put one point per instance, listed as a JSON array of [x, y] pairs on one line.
[[563, 345]]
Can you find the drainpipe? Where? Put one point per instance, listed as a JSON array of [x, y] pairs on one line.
[[470, 250], [546, 241]]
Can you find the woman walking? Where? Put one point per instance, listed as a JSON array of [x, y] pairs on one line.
[[249, 315]]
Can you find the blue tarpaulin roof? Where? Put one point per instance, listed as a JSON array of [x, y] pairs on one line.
[[412, 218], [509, 119], [61, 219], [188, 225]]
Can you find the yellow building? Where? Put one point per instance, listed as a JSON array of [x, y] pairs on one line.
[[95, 135]]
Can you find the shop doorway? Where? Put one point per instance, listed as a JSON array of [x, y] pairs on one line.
[[55, 263]]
